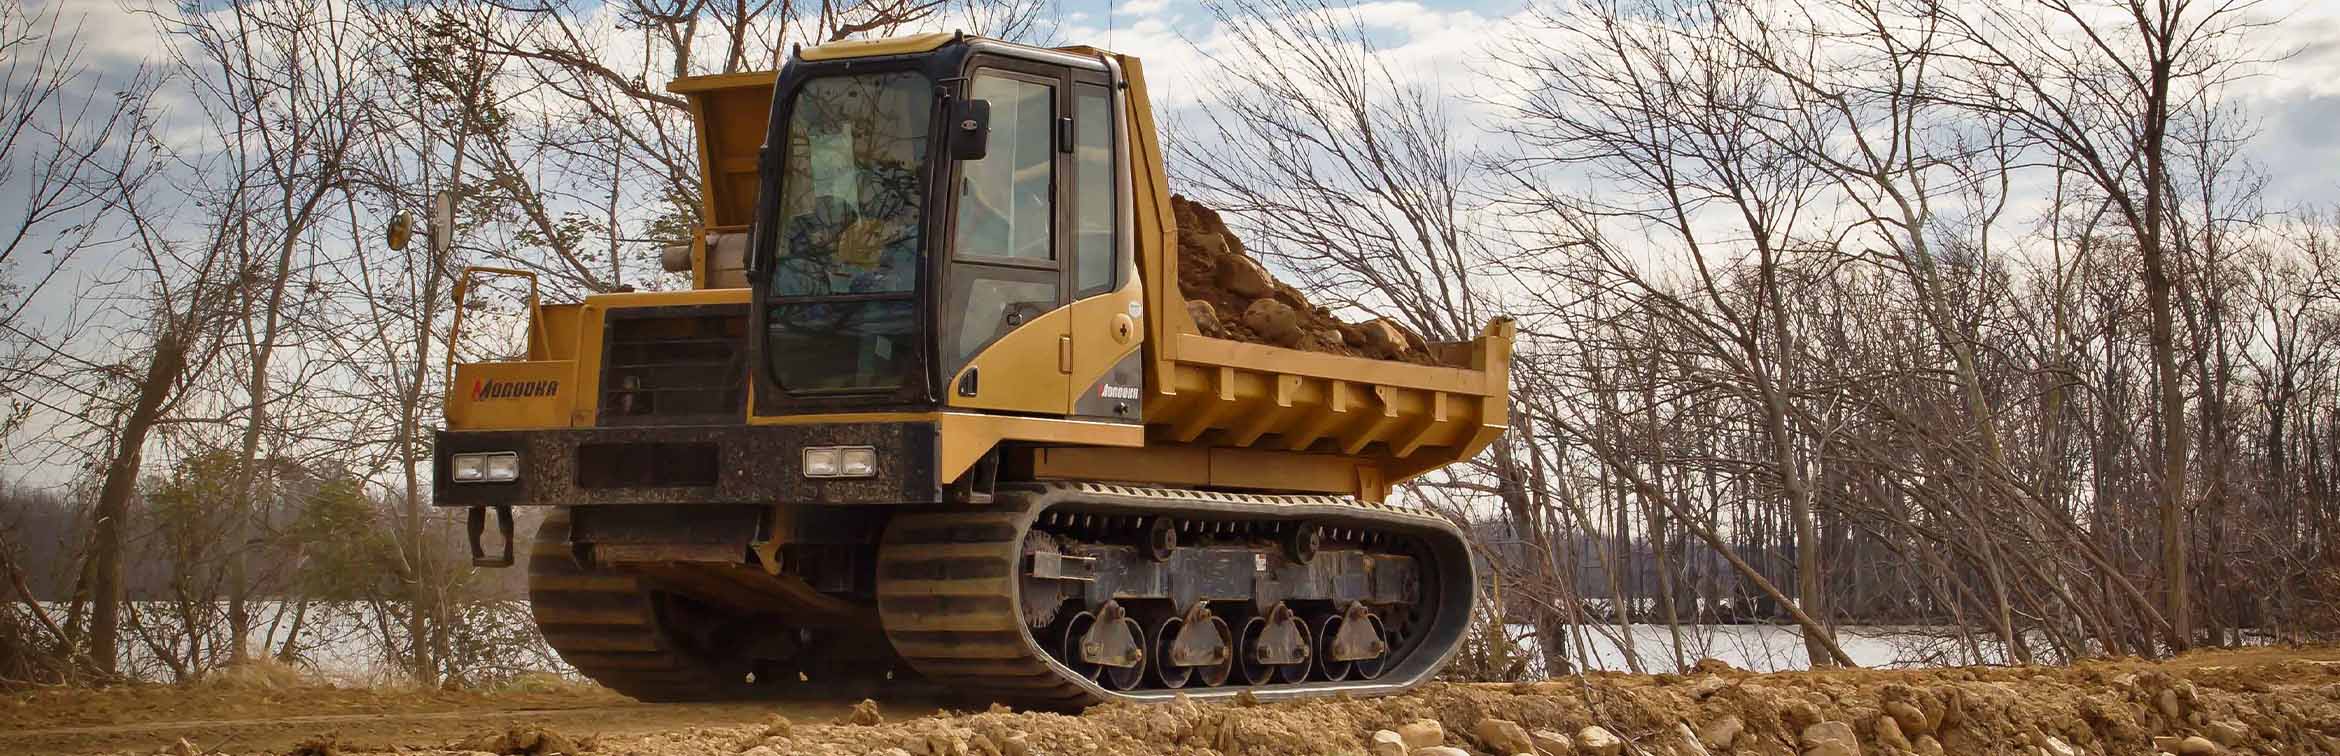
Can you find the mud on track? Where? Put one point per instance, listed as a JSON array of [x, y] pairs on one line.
[[2261, 701]]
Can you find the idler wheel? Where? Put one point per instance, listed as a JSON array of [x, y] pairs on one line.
[[1328, 630], [1255, 669], [1164, 641], [1076, 633], [1368, 669]]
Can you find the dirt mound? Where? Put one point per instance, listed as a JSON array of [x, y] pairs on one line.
[[2258, 701], [2286, 707], [1231, 296]]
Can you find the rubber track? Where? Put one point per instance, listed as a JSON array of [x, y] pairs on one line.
[[947, 591], [602, 622]]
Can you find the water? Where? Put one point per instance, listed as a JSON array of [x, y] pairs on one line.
[[1761, 648], [357, 642]]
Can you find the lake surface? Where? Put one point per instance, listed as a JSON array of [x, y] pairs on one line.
[[346, 642]]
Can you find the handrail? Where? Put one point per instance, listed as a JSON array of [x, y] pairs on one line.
[[539, 346]]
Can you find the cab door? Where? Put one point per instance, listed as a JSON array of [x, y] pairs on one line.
[[1107, 303], [1006, 334]]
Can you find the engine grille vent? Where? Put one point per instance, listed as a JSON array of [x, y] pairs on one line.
[[674, 365]]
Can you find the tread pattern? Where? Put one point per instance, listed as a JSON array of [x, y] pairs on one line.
[[947, 587], [605, 624]]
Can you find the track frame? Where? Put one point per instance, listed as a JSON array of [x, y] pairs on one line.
[[950, 585]]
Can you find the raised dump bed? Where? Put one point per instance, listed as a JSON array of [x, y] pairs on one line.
[[1395, 418]]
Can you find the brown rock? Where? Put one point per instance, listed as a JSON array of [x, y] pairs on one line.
[[1720, 733], [864, 713], [2198, 746], [1503, 736], [1206, 317], [2228, 732], [1912, 721], [1551, 743], [1598, 741], [2167, 702], [1386, 743], [1244, 277], [1711, 665], [1926, 745], [1799, 715], [1422, 733], [1440, 751], [1015, 745], [1889, 735], [778, 726], [1382, 336], [1690, 745], [1830, 738], [1274, 321]]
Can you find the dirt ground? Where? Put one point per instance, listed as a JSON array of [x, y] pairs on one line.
[[2257, 701]]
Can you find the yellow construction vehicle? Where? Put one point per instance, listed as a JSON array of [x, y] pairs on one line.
[[935, 416]]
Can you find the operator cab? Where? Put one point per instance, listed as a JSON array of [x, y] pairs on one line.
[[929, 208]]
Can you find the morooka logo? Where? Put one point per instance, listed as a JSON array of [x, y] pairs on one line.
[[492, 389]]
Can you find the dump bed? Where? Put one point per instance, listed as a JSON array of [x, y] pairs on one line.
[[1402, 418]]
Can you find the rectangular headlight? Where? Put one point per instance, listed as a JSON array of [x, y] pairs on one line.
[[485, 467], [860, 462], [840, 461], [820, 461]]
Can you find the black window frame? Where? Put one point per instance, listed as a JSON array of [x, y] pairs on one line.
[[918, 387]]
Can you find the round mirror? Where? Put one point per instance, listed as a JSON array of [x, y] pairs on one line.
[[401, 229]]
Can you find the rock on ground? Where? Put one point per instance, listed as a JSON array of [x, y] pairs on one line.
[[2275, 702]]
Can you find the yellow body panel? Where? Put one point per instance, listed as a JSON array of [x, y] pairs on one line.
[[571, 342], [870, 48], [1204, 467], [1105, 329], [512, 395], [1024, 371]]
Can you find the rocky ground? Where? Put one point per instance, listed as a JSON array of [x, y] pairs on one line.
[[2259, 701]]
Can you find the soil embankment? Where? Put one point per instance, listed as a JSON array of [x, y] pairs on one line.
[[2260, 701]]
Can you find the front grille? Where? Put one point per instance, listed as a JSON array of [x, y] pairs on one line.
[[673, 365]]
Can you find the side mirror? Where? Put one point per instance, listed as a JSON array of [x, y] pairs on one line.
[[970, 129], [401, 228]]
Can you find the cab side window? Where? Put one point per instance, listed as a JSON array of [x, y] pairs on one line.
[[1094, 191], [1005, 199]]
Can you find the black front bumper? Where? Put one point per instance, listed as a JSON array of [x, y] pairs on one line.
[[729, 464]]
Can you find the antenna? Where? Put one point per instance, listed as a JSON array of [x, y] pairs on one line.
[[1109, 21]]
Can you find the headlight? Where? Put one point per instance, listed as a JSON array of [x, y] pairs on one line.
[[485, 467], [820, 461], [860, 462], [840, 461]]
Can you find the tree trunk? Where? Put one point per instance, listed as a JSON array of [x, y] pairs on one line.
[[163, 367]]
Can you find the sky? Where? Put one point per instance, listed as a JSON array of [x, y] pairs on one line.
[[2295, 100]]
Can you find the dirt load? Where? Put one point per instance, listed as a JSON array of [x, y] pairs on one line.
[[1232, 296], [2258, 701]]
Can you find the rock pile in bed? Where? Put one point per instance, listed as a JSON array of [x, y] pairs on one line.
[[1230, 296]]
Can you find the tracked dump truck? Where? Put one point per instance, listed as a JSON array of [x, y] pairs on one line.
[[935, 417]]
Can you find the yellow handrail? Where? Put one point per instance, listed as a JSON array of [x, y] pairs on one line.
[[538, 346]]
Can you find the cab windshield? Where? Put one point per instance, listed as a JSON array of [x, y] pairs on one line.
[[846, 261]]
